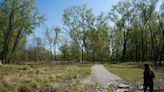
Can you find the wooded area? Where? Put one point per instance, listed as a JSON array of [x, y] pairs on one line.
[[133, 30]]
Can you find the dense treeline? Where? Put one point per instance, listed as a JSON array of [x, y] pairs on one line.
[[133, 30]]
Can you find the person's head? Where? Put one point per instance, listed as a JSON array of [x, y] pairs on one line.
[[146, 66]]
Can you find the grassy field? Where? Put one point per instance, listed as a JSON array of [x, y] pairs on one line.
[[64, 78], [28, 78], [132, 72]]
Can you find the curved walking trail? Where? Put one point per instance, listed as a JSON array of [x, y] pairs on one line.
[[103, 77], [106, 81]]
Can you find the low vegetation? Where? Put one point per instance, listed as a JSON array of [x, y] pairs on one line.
[[63, 78], [27, 78], [132, 30], [132, 72]]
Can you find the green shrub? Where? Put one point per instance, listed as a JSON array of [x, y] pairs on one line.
[[46, 82]]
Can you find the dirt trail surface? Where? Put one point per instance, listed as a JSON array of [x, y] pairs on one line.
[[103, 77]]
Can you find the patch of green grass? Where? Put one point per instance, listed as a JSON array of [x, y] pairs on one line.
[[17, 77], [139, 64], [126, 73], [131, 73]]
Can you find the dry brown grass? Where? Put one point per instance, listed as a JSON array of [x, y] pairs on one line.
[[30, 77], [86, 85]]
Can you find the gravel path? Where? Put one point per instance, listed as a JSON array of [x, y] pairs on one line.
[[103, 77]]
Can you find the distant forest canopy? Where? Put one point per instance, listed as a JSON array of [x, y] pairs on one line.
[[133, 30]]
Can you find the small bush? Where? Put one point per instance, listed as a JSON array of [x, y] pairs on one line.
[[33, 84], [46, 82]]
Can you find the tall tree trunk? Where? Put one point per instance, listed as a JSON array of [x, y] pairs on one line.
[[112, 56], [93, 57], [124, 46], [136, 52], [82, 55], [146, 49], [16, 40], [117, 54], [142, 47], [55, 52], [15, 44], [7, 40]]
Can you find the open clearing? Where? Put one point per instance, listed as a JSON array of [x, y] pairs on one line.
[[63, 78]]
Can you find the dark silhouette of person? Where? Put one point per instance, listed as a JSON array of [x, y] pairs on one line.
[[148, 78]]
